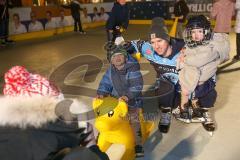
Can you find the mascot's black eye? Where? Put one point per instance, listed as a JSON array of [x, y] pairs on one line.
[[98, 112], [110, 113]]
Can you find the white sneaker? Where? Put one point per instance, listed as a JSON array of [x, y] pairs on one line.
[[82, 32]]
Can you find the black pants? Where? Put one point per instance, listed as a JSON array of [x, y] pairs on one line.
[[208, 100], [166, 94], [169, 97], [4, 29], [173, 100], [238, 44], [77, 24]]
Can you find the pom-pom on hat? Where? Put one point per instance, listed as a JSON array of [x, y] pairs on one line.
[[20, 82]]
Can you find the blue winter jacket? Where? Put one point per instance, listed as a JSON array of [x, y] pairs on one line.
[[127, 82]]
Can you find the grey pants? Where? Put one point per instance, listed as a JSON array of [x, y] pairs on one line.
[[133, 114]]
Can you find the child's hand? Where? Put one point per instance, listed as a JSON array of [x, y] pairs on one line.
[[123, 98], [99, 96], [184, 91], [181, 57], [181, 17], [180, 61]]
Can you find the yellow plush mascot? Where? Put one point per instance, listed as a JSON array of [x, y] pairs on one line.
[[114, 127]]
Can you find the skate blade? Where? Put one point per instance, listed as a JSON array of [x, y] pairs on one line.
[[184, 120], [210, 129], [210, 133], [197, 120]]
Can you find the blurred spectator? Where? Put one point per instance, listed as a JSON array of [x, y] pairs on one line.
[[18, 27], [119, 18], [62, 22], [4, 21], [181, 10], [103, 16], [86, 18], [34, 24], [95, 15], [222, 12], [51, 24], [75, 8]]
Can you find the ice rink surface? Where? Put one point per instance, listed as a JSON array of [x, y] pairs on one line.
[[184, 141]]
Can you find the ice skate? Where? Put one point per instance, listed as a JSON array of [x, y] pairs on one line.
[[208, 123], [182, 116], [183, 113], [165, 121], [197, 116]]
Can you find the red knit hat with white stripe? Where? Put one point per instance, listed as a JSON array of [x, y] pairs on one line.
[[20, 82]]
